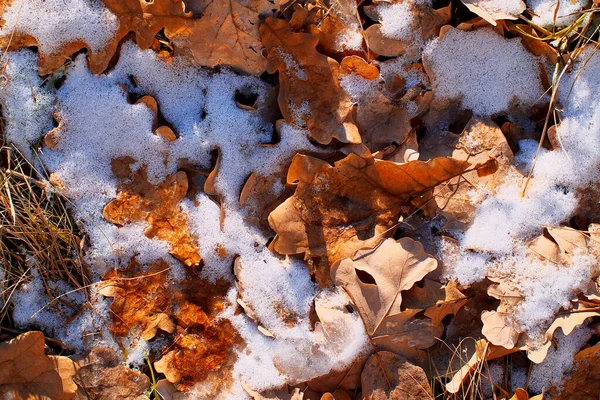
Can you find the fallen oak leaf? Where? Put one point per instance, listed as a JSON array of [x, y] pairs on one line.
[[337, 210], [380, 120], [388, 376], [582, 382], [310, 94], [395, 266], [498, 331], [339, 31], [480, 140], [437, 299], [28, 373], [424, 24], [226, 33], [375, 280], [100, 375]]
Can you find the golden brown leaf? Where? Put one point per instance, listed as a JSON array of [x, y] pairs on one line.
[[582, 382], [375, 280], [339, 31], [139, 200], [438, 300], [310, 94], [100, 375], [388, 376], [393, 267], [226, 33], [26, 372], [380, 120], [337, 210]]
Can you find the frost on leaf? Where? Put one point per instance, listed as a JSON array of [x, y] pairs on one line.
[[339, 31], [310, 94], [559, 247], [403, 26], [481, 140], [28, 373]]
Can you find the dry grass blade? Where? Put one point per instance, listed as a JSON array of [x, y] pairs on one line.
[[36, 231]]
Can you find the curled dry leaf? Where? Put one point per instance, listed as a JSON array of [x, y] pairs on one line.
[[139, 200], [497, 330], [559, 244], [100, 375], [226, 33], [438, 300], [337, 210], [489, 11], [567, 322], [26, 372], [310, 94], [388, 376]]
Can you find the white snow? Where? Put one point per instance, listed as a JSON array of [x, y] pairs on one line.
[[544, 10], [97, 123], [26, 100], [396, 20], [54, 23], [504, 222], [486, 72], [559, 360]]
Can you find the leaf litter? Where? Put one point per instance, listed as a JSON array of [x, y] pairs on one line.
[[322, 192]]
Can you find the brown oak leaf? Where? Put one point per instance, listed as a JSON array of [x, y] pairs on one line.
[[226, 33], [480, 140], [26, 372], [375, 280], [339, 31], [310, 94], [388, 376], [426, 23], [489, 11], [100, 375], [337, 210]]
